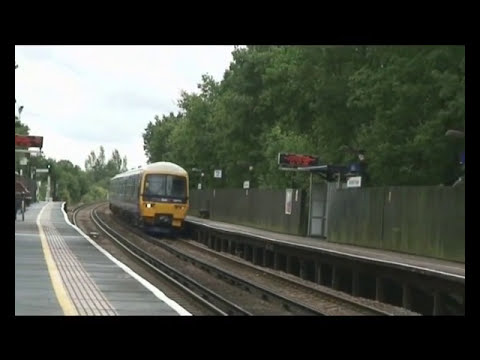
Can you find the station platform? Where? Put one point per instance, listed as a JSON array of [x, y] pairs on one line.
[[61, 271], [425, 264]]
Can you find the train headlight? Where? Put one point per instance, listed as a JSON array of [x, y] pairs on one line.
[[149, 206]]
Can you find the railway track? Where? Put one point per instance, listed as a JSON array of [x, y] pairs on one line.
[[75, 212], [325, 297], [214, 302], [326, 302]]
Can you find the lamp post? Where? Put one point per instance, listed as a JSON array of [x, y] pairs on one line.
[[202, 174], [458, 134], [20, 109], [250, 171], [48, 194]]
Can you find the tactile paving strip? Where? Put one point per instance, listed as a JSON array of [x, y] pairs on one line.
[[86, 296]]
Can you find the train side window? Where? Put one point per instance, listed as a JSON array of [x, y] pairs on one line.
[[137, 186], [129, 187], [132, 188], [134, 178]]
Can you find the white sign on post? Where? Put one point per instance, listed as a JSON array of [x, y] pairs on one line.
[[288, 201], [217, 174], [246, 184], [199, 186], [355, 181]]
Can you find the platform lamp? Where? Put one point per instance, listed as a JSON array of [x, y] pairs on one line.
[[458, 134], [49, 183], [20, 109], [33, 177], [250, 171], [200, 171]]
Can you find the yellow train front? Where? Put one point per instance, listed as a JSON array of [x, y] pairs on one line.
[[154, 197]]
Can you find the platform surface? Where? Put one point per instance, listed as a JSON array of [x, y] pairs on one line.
[[59, 271], [442, 267]]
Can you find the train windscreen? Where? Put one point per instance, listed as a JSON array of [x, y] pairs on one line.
[[165, 186]]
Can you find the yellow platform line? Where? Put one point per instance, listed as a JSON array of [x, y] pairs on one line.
[[60, 291]]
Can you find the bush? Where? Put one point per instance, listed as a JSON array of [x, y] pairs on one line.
[[95, 193]]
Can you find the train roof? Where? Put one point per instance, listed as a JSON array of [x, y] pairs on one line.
[[161, 166]]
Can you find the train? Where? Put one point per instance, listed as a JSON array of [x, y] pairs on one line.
[[154, 197]]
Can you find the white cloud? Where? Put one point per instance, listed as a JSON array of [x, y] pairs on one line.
[[81, 97]]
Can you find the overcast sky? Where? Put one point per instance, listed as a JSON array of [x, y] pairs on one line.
[[81, 97]]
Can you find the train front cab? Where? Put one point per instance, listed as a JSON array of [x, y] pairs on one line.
[[164, 201]]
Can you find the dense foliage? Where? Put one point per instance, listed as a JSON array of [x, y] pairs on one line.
[[394, 102], [72, 184]]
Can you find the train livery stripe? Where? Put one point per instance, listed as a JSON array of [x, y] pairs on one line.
[[58, 286]]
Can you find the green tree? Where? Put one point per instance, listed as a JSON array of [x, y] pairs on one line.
[[395, 102], [98, 173], [413, 97]]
